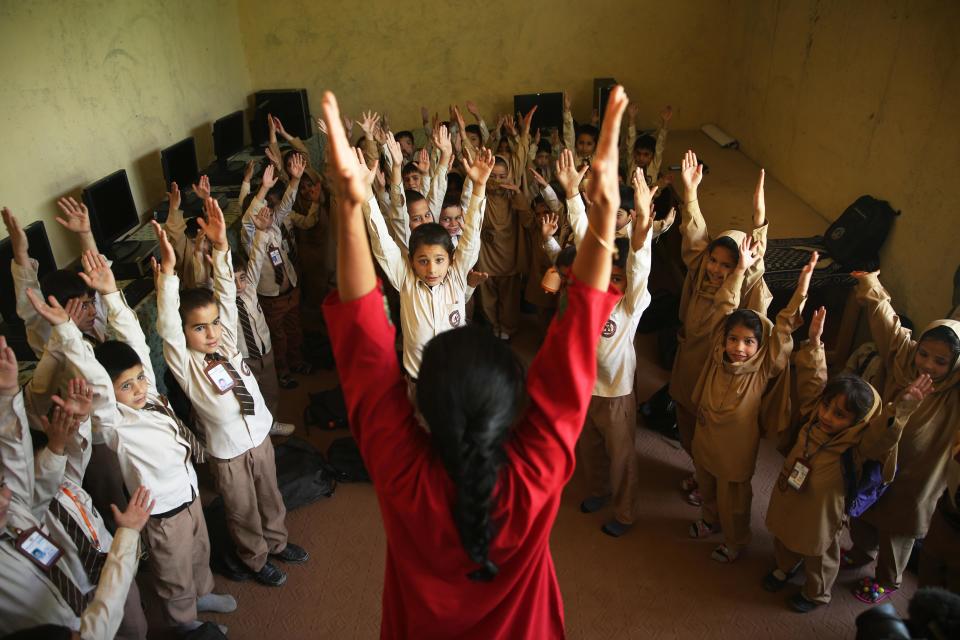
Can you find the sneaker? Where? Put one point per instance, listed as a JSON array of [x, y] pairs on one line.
[[292, 554], [615, 528], [777, 580], [270, 575], [281, 429], [594, 504], [800, 604]]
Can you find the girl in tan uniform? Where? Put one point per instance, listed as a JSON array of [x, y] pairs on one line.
[[808, 507], [709, 262], [888, 530], [748, 352]]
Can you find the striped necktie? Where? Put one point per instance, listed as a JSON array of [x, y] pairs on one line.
[[196, 447], [90, 557], [278, 273], [65, 586], [253, 348], [239, 389]]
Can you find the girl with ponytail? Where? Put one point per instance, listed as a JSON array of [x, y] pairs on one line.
[[468, 506]]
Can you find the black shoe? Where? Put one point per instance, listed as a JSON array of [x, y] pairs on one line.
[[773, 584], [594, 503], [292, 554], [801, 605], [270, 575]]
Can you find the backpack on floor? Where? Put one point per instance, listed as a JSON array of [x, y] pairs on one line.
[[327, 409], [660, 413], [344, 456], [854, 239]]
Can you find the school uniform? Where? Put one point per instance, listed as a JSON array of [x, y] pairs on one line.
[[694, 339], [253, 334], [236, 424], [652, 170], [570, 140], [940, 554], [154, 449], [501, 257], [192, 267], [607, 444], [425, 311], [807, 523], [29, 595], [728, 398], [426, 592], [888, 530]]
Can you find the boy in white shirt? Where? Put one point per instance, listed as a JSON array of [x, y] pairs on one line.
[[198, 328]]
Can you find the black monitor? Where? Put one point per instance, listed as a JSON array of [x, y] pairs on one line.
[[39, 250], [549, 111], [179, 163], [228, 136], [290, 105], [112, 209]]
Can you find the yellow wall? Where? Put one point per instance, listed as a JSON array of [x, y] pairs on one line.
[[397, 55], [92, 87], [840, 99]]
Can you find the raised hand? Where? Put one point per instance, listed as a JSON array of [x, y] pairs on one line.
[[51, 311], [749, 254], [478, 170], [173, 196], [263, 219], [79, 398], [215, 227], [138, 510], [380, 180], [633, 109], [476, 278], [510, 125], [9, 378], [568, 175], [269, 179], [60, 429], [803, 282], [368, 122], [424, 115], [666, 116], [274, 159], [691, 172], [321, 126], [348, 126], [248, 170], [422, 162], [566, 101], [298, 165], [168, 257], [271, 127], [914, 394], [18, 239], [75, 218], [604, 188], [472, 109], [527, 119], [662, 226], [759, 202], [817, 321], [595, 118], [279, 127], [96, 273], [441, 140], [75, 310], [456, 116], [203, 189], [350, 175], [393, 148], [539, 179], [643, 201], [549, 225]]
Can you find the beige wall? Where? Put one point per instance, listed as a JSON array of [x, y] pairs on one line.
[[92, 87], [838, 99], [397, 55]]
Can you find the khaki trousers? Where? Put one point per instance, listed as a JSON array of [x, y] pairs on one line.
[[500, 297], [727, 503], [686, 424], [891, 551], [940, 555], [180, 561], [252, 501], [608, 453], [820, 571], [286, 330], [264, 369]]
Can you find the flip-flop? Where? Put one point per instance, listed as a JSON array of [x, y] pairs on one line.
[[701, 529], [869, 591]]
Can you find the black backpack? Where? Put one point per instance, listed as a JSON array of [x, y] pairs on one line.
[[854, 239], [343, 455]]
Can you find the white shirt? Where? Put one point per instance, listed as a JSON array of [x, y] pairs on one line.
[[267, 284], [258, 322], [229, 432]]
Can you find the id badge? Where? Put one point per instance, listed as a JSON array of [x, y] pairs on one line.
[[220, 377], [801, 469], [39, 548], [275, 257]]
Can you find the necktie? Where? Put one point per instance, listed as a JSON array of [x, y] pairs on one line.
[[253, 348], [65, 586], [196, 447], [239, 389], [278, 273], [91, 559]]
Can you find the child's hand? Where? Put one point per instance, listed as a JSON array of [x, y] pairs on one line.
[[173, 197], [348, 126], [549, 225], [248, 171], [643, 200], [914, 394], [271, 128], [568, 175], [79, 398], [368, 122], [749, 254], [510, 126], [759, 203], [441, 140], [566, 101], [138, 510], [9, 379], [269, 179], [275, 160], [298, 164], [18, 239], [540, 180], [632, 110], [279, 127], [168, 257], [380, 180], [666, 116], [351, 177], [479, 170], [203, 189], [475, 278], [422, 162], [321, 126], [393, 148], [96, 273], [60, 430], [263, 219], [604, 181], [803, 283], [51, 311], [472, 109], [595, 118], [816, 325], [527, 119], [76, 217], [662, 226], [691, 172], [215, 227]]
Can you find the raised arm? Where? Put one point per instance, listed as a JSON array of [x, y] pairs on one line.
[[248, 227], [569, 135], [692, 227], [169, 324], [438, 181], [223, 283], [893, 341], [469, 248], [570, 178], [811, 361], [653, 169], [76, 218], [884, 431], [24, 271], [636, 297], [789, 320]]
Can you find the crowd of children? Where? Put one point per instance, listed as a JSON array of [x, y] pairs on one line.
[[564, 221]]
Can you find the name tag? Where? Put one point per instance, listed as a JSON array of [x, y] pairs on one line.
[[798, 476], [220, 377], [275, 257], [39, 548]]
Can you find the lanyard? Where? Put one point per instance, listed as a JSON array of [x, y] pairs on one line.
[[83, 514], [806, 443]]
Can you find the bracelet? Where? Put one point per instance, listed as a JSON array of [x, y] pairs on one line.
[[603, 243]]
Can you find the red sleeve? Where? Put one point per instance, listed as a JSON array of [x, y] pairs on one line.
[[380, 414], [560, 384]]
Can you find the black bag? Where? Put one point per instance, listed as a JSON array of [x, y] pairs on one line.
[[206, 631], [327, 409], [660, 413], [854, 239], [344, 456]]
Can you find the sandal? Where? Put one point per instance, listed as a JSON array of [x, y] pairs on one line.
[[869, 591], [724, 554], [694, 498], [689, 483], [701, 529]]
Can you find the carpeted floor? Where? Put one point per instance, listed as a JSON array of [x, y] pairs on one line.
[[655, 582]]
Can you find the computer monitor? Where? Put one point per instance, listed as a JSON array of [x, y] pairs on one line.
[[228, 136], [290, 105], [112, 210], [549, 111], [179, 163], [40, 250]]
